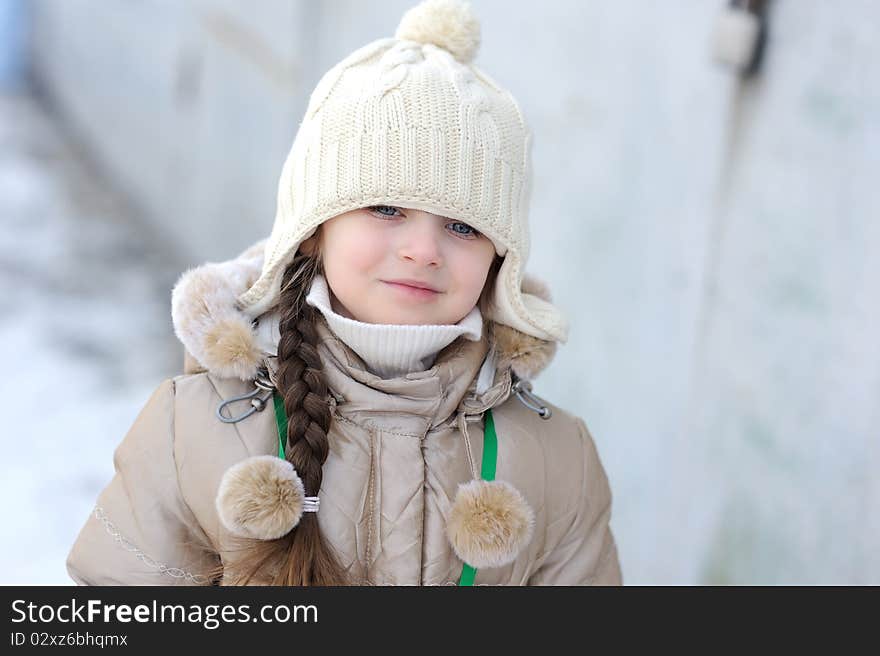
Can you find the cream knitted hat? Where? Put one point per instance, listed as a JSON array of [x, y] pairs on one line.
[[409, 121]]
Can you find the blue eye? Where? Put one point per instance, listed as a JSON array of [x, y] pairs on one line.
[[378, 209], [459, 229], [465, 231]]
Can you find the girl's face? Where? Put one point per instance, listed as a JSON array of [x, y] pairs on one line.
[[393, 265]]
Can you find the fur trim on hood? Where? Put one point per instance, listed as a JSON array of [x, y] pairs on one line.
[[220, 338]]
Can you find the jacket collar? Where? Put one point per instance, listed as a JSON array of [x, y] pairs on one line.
[[410, 404]]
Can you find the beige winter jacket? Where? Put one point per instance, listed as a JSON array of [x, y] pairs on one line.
[[398, 451]]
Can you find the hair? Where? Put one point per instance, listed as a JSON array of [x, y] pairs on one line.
[[302, 557]]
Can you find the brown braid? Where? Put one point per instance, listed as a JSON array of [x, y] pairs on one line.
[[302, 557]]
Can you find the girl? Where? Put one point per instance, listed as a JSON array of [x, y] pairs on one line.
[[356, 406]]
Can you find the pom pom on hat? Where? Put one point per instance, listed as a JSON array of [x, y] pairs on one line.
[[261, 497], [448, 24], [489, 523]]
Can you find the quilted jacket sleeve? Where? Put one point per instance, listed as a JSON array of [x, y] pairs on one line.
[[141, 531], [587, 554]]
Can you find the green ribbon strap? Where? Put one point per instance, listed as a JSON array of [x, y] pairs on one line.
[[281, 421]]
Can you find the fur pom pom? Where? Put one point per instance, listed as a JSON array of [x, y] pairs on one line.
[[526, 355], [261, 497], [448, 24], [230, 348], [207, 321], [489, 524]]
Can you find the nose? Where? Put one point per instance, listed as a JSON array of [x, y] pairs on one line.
[[420, 243]]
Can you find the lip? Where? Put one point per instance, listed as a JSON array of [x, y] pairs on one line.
[[415, 284], [410, 292]]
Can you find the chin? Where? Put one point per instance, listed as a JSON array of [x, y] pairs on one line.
[[409, 320]]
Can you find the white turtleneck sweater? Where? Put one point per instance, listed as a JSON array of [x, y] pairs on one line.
[[388, 350]]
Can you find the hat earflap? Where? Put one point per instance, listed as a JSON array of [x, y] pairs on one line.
[[261, 497]]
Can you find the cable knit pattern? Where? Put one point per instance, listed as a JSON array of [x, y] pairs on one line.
[[404, 122], [388, 350]]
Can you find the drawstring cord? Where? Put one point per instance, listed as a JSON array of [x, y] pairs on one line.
[[463, 429], [262, 383], [265, 383], [523, 391]]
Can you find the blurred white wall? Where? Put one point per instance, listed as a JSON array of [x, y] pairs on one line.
[[191, 106], [716, 243]]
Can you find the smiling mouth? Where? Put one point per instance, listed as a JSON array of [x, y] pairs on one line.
[[412, 290], [412, 282]]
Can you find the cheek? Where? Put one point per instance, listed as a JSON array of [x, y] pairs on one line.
[[470, 269], [356, 250]]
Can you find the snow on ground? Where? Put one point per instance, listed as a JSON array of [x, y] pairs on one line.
[[85, 328]]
